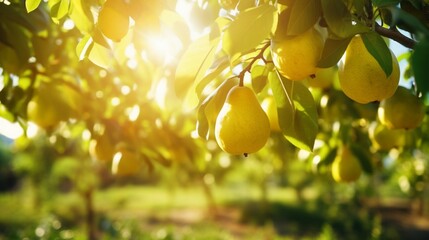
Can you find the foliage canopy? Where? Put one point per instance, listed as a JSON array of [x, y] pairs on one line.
[[166, 57]]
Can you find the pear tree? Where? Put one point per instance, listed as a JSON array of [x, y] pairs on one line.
[[157, 79]]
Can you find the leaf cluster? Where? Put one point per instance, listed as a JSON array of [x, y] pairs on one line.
[[228, 55]]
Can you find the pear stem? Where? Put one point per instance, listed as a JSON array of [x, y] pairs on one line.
[[249, 67]]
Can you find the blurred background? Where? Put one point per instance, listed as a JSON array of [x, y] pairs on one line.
[[111, 148]]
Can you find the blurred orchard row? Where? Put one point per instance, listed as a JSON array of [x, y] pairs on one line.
[[108, 113]]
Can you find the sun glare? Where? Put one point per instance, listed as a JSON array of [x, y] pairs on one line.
[[133, 113], [165, 45], [160, 92], [10, 130], [184, 9]]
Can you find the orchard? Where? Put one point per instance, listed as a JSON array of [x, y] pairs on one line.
[[214, 119]]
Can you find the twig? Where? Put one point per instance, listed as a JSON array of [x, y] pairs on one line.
[[395, 35], [257, 57]]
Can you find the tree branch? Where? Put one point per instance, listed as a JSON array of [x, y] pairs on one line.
[[396, 36], [248, 67]]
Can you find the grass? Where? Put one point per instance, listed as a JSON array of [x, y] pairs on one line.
[[182, 213], [154, 212]]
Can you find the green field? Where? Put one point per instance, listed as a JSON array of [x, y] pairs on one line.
[[150, 212]]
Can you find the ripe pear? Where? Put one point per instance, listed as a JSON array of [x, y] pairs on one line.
[[402, 110], [113, 20], [242, 126], [296, 57], [101, 149], [48, 106], [324, 78], [346, 167], [126, 162], [384, 138], [361, 76]]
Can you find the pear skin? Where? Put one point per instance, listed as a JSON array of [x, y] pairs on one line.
[[242, 126], [346, 167]]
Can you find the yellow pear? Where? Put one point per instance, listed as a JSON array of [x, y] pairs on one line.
[[101, 149], [242, 126], [346, 167], [296, 57], [384, 138], [126, 162], [42, 112], [270, 108], [362, 78], [47, 108], [113, 20], [324, 78], [402, 110]]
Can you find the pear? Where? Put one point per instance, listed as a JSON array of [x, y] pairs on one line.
[[346, 167], [126, 162], [361, 77], [101, 148], [51, 104], [384, 138], [403, 110], [113, 20], [242, 126], [296, 57]]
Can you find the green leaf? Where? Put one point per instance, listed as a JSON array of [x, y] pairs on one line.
[[101, 56], [283, 19], [333, 50], [59, 9], [4, 113], [411, 21], [340, 20], [249, 29], [98, 37], [19, 38], [286, 2], [327, 156], [296, 110], [420, 66], [194, 63], [3, 36], [202, 121], [9, 60], [83, 46], [384, 3], [245, 4], [209, 109], [39, 19], [259, 75], [358, 7], [219, 66], [218, 26], [13, 14], [303, 16], [418, 4], [378, 48], [30, 5], [80, 13]]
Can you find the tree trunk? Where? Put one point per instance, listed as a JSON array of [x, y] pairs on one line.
[[90, 216], [209, 196], [264, 196]]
